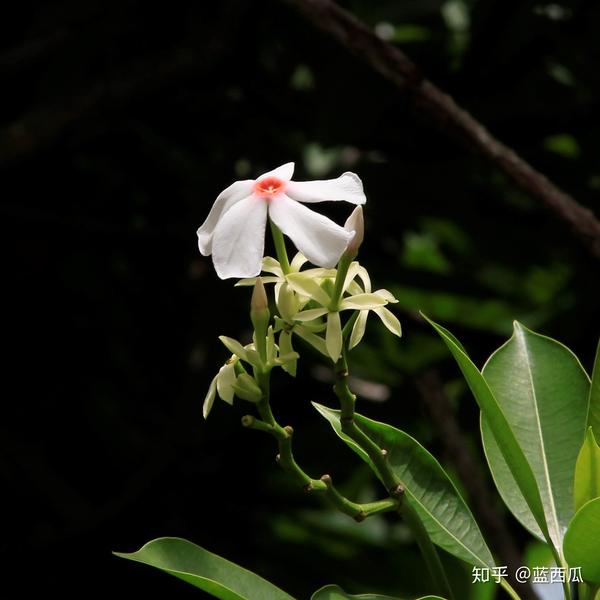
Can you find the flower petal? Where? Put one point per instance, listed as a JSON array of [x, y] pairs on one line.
[[285, 350], [308, 287], [364, 275], [333, 335], [358, 331], [351, 274], [310, 315], [355, 222], [239, 239], [287, 303], [387, 295], [209, 400], [347, 186], [389, 320], [270, 265], [320, 239], [297, 262], [225, 381], [252, 281], [355, 289], [317, 342], [319, 273], [284, 172], [363, 301], [270, 344], [225, 200], [234, 347]]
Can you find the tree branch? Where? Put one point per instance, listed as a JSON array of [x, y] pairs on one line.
[[438, 106]]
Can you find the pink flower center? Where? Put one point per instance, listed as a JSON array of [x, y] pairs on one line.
[[269, 187]]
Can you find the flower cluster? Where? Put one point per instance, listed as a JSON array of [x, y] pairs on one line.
[[309, 301]]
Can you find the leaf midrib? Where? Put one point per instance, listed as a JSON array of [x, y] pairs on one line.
[[470, 552], [554, 514]]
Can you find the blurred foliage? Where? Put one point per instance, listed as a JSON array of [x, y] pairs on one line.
[[120, 122]]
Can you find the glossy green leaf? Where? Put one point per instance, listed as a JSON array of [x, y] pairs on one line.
[[335, 592], [582, 541], [512, 452], [543, 390], [587, 471], [205, 570], [428, 489], [594, 410]]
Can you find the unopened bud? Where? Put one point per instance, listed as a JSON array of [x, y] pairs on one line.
[[287, 303], [260, 316], [355, 223], [259, 307], [246, 388]]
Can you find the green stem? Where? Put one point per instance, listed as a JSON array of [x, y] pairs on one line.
[[286, 460], [393, 484], [560, 562], [280, 248], [509, 589], [587, 591], [359, 512], [340, 278]]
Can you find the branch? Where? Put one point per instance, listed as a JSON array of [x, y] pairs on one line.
[[435, 104]]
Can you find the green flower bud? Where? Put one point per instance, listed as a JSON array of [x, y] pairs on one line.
[[246, 388], [259, 308], [260, 316], [287, 303]]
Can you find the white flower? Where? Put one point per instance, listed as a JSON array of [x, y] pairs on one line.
[[234, 231]]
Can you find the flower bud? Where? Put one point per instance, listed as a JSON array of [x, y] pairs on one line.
[[260, 316], [259, 307], [356, 223], [287, 303], [246, 388]]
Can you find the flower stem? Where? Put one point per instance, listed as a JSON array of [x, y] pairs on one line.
[[588, 591], [390, 479], [340, 278], [285, 457], [560, 562], [280, 248], [509, 589], [359, 512], [286, 460]]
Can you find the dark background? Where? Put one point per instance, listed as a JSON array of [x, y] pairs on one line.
[[120, 124]]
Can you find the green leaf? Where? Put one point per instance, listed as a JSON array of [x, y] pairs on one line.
[[446, 517], [511, 450], [564, 144], [542, 389], [205, 570], [335, 592], [587, 471], [582, 541], [594, 410]]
